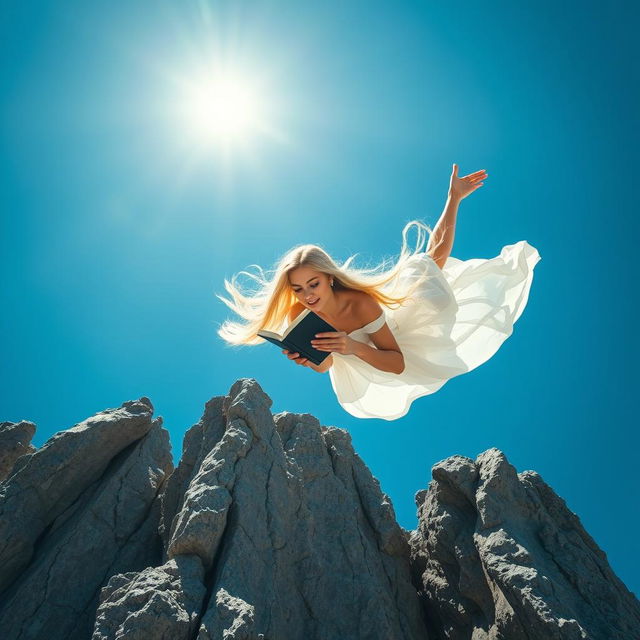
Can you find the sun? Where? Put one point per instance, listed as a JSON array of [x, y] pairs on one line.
[[212, 108], [221, 107]]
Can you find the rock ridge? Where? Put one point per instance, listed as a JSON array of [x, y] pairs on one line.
[[273, 527]]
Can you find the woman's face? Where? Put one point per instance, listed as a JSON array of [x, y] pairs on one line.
[[311, 287]]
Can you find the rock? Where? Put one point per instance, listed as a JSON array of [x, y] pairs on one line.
[[296, 536], [499, 555], [73, 531], [159, 603], [50, 480], [272, 527], [15, 439], [293, 532], [198, 441]]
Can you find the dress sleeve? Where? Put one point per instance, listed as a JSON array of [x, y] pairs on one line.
[[376, 324]]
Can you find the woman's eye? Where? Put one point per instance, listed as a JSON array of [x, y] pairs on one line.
[[314, 285]]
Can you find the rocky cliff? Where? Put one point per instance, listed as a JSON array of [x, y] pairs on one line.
[[273, 527]]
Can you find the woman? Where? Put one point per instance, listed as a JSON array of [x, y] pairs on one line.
[[403, 331]]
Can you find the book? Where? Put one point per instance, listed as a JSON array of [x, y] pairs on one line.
[[299, 334]]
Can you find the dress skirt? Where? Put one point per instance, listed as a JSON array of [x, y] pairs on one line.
[[456, 320]]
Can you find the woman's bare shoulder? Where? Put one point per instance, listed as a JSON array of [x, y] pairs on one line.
[[366, 307]]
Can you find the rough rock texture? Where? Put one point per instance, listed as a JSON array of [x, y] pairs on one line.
[[295, 536], [15, 439], [81, 508], [498, 554], [159, 603], [272, 527]]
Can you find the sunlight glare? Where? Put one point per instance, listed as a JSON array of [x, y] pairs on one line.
[[222, 107]]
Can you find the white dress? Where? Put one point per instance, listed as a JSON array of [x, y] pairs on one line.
[[458, 318]]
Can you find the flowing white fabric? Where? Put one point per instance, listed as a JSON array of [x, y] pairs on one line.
[[456, 320]]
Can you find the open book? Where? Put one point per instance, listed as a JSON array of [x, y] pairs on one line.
[[299, 334]]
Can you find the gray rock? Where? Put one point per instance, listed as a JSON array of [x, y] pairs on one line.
[[499, 555], [328, 559], [110, 528], [236, 617], [198, 441], [272, 527], [158, 603], [15, 439], [295, 535], [43, 485]]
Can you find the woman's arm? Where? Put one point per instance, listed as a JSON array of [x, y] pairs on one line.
[[324, 366], [383, 356], [441, 240], [383, 359], [386, 354]]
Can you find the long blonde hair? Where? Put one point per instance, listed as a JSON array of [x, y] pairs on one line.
[[268, 307]]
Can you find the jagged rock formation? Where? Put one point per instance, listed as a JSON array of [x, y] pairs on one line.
[[272, 527], [15, 441], [498, 554], [75, 512], [284, 527]]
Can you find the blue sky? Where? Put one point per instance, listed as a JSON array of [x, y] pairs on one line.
[[119, 225]]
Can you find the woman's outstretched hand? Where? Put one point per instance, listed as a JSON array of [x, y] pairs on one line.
[[460, 188]]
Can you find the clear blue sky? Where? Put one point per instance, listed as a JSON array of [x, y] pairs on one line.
[[118, 229]]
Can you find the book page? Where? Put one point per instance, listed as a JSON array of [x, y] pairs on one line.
[[295, 322]]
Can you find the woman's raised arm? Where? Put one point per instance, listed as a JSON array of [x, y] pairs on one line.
[[441, 240]]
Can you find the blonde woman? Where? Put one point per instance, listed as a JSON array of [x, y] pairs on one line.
[[404, 329]]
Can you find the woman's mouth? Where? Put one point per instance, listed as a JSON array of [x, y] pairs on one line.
[[314, 302]]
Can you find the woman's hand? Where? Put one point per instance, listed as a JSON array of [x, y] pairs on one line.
[[460, 188], [296, 358], [337, 341]]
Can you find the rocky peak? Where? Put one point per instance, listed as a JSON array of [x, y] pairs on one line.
[[272, 527]]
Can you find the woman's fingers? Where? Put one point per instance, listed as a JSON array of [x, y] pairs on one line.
[[465, 185], [336, 346], [325, 342], [295, 357]]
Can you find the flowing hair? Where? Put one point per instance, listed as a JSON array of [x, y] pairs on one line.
[[269, 305]]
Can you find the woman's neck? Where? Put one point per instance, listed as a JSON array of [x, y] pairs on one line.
[[335, 313]]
